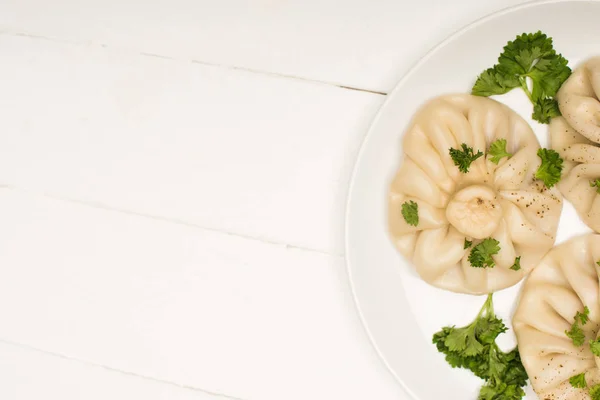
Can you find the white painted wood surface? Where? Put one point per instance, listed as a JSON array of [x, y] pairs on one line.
[[181, 304], [357, 43], [174, 178], [31, 374], [246, 153]]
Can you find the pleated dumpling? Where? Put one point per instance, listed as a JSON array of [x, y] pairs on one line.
[[492, 205], [576, 137], [565, 282], [578, 99]]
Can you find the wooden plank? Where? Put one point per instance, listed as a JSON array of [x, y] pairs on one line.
[[357, 43], [28, 374], [228, 150], [180, 304]]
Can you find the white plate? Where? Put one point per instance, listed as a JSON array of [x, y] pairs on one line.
[[399, 311]]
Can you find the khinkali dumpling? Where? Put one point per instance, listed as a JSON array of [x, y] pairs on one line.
[[578, 99], [563, 284], [575, 137], [501, 201]]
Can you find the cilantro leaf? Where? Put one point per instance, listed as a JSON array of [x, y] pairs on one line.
[[576, 334], [595, 392], [410, 212], [595, 347], [596, 183], [474, 347], [551, 167], [463, 158], [498, 151], [517, 265], [531, 63], [481, 255], [468, 243], [545, 109], [578, 381]]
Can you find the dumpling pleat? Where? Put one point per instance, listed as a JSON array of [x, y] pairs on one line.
[[420, 150], [412, 181], [438, 249]]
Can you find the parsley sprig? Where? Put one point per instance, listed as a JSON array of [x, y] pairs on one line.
[[545, 109], [463, 158], [481, 255], [498, 151], [531, 56], [578, 381], [595, 347], [595, 392], [410, 212], [551, 167], [576, 333], [474, 347]]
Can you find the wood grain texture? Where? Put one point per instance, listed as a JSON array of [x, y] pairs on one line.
[[256, 156], [357, 43], [180, 304], [29, 374]]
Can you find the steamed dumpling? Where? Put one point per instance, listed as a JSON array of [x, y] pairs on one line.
[[563, 284], [578, 99], [576, 137], [501, 201]]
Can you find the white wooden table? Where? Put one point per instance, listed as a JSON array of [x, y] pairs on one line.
[[174, 175]]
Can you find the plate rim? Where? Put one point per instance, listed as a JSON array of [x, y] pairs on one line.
[[397, 87]]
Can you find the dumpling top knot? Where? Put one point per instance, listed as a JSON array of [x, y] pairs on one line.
[[475, 211], [464, 205]]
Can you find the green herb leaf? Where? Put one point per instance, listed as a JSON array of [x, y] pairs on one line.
[[501, 391], [576, 334], [517, 265], [595, 392], [595, 347], [481, 255], [498, 151], [578, 381], [491, 82], [596, 183], [583, 317], [551, 167], [531, 63], [410, 212], [545, 109], [467, 244], [463, 158], [474, 347]]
